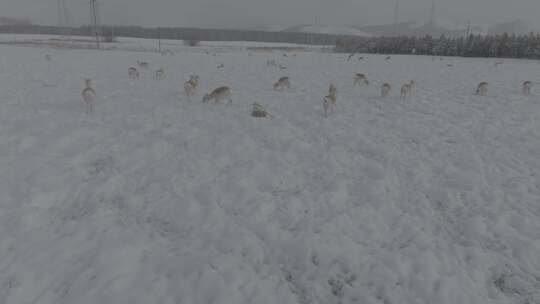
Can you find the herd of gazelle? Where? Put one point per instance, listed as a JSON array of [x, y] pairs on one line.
[[224, 93]]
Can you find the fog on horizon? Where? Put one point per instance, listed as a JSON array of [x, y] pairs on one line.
[[268, 14]]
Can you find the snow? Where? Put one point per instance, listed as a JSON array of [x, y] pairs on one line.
[[153, 199], [145, 45]]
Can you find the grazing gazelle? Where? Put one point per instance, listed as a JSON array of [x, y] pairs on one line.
[[89, 96], [259, 111], [219, 94], [160, 74], [527, 86], [282, 83], [498, 63], [385, 90], [388, 58], [133, 73], [191, 85], [360, 78], [482, 89], [142, 64]]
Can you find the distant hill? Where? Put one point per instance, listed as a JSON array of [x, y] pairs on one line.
[[14, 21], [328, 29]]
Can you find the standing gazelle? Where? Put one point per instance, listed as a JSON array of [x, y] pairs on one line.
[[191, 85], [219, 94], [407, 89], [527, 86], [89, 96], [360, 78], [330, 101], [482, 89], [385, 90], [133, 73]]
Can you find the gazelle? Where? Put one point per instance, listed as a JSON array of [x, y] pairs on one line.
[[498, 63], [407, 89], [388, 58], [259, 111], [142, 64], [527, 86], [48, 57], [160, 74], [329, 104], [282, 83], [219, 94], [360, 78], [332, 90], [191, 85], [385, 90], [482, 89], [89, 96], [133, 73]]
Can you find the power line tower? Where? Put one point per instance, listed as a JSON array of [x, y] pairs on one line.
[[432, 18], [95, 21], [396, 18]]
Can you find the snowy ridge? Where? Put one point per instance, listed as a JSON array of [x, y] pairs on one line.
[[153, 199], [331, 30]]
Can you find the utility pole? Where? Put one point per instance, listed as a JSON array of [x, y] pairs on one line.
[[432, 13], [468, 28], [93, 9], [396, 18]]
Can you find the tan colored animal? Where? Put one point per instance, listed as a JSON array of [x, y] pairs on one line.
[[218, 95], [190, 86], [160, 74], [259, 111], [282, 83], [133, 73], [388, 58], [498, 63], [527, 86], [360, 79], [142, 64], [482, 89], [332, 90], [329, 104], [385, 90], [407, 89], [89, 96]]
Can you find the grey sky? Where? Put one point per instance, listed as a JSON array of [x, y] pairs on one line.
[[249, 13]]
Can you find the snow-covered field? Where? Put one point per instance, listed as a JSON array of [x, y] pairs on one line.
[[153, 199]]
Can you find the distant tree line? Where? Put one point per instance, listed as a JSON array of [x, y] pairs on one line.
[[500, 46], [194, 34]]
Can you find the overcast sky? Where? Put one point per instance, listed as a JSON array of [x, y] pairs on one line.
[[251, 13]]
